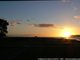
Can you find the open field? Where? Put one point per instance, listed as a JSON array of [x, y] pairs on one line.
[[15, 48]]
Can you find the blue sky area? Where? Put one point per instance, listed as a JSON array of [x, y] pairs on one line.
[[60, 13]]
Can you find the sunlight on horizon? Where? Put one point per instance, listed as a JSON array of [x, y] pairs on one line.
[[67, 32]]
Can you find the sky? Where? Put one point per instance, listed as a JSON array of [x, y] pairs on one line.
[[41, 18]]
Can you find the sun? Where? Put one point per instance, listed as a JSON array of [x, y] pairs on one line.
[[67, 32]]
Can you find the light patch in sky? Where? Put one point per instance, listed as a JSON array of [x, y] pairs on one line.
[[76, 17], [75, 8], [14, 22], [65, 1]]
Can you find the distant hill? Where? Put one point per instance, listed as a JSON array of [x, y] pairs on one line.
[[75, 36]]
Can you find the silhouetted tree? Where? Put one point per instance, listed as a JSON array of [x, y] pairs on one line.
[[3, 28]]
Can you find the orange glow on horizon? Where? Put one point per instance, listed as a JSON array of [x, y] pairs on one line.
[[67, 32]]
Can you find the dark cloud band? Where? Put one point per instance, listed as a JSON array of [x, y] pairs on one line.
[[43, 25]]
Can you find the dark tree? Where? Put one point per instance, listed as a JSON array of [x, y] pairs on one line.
[[3, 28]]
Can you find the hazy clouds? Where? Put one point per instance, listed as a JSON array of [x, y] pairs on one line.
[[13, 23], [64, 1], [76, 17]]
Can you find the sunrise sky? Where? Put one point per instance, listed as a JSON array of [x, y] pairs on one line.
[[41, 18]]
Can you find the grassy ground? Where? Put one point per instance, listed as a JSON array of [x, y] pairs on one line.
[[16, 48]]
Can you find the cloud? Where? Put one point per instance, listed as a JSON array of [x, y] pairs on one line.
[[76, 17], [75, 8], [64, 1], [43, 25], [13, 23]]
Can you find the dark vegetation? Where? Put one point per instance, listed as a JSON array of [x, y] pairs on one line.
[[31, 48], [3, 28]]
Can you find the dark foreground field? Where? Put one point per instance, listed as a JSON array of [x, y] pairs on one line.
[[32, 48]]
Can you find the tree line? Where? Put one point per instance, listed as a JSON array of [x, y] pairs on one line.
[[3, 28]]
